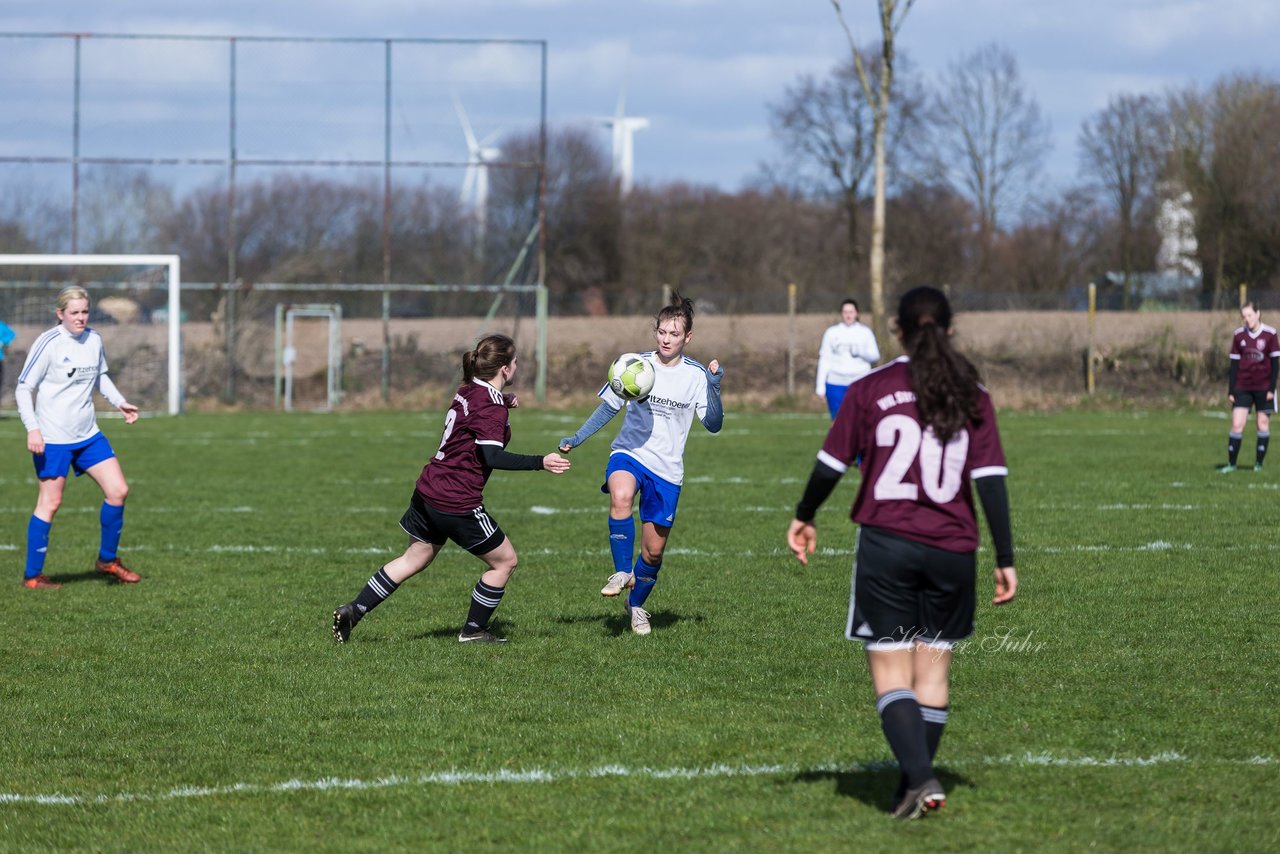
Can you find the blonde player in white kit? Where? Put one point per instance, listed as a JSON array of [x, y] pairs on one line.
[[647, 457], [55, 399]]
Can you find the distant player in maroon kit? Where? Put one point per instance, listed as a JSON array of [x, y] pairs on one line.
[[1251, 382], [448, 504], [924, 430]]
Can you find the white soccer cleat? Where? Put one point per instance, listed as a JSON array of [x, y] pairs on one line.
[[617, 582], [639, 620]]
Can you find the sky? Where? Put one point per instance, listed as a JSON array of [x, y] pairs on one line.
[[703, 72]]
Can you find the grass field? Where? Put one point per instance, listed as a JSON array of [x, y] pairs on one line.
[[1128, 700]]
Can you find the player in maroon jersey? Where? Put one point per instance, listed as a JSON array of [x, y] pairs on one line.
[[1251, 382], [923, 429], [448, 503]]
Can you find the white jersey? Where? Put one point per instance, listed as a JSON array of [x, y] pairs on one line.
[[654, 430], [61, 372], [848, 351]]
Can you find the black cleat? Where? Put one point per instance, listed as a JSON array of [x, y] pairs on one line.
[[918, 801], [899, 794], [345, 618], [482, 636]]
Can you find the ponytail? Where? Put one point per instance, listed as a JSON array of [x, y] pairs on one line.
[[492, 354], [945, 383]]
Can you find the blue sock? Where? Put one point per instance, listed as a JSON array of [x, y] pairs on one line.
[[37, 545], [646, 577], [112, 519], [622, 538]]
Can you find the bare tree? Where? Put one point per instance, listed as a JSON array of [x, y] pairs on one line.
[[123, 209], [992, 138], [1224, 153], [730, 252], [584, 216], [1120, 151], [827, 129], [892, 15]]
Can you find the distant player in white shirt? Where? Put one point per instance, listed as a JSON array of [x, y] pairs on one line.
[[55, 399], [647, 457], [848, 351]]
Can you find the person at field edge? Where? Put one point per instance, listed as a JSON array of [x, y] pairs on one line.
[[6, 338], [848, 351], [448, 501], [1251, 383], [55, 390], [925, 429], [647, 456]]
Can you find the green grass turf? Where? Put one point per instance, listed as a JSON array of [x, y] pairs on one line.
[[1127, 700]]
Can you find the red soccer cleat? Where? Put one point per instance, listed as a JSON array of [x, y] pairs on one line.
[[119, 570], [40, 582]]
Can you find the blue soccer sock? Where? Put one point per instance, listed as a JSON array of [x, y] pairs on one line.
[[37, 545], [111, 517], [646, 576], [622, 538]]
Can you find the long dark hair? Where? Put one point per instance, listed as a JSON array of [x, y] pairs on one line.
[[492, 354], [679, 306], [945, 382]]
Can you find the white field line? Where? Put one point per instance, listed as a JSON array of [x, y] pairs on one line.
[[392, 547], [538, 775]]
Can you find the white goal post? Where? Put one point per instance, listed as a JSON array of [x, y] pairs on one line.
[[172, 267]]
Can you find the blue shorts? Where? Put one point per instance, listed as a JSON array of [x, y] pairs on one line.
[[658, 497], [835, 394], [81, 456]]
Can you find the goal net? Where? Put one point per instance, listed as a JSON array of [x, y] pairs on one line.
[[134, 303]]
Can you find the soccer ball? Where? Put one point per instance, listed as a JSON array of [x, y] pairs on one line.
[[631, 376]]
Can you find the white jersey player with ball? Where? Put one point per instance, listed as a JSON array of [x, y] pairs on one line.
[[647, 456]]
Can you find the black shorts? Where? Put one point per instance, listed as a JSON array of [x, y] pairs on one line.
[[1253, 399], [904, 591], [475, 531]]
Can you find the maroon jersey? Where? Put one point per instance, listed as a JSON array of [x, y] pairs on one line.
[[912, 485], [453, 480], [1252, 352]]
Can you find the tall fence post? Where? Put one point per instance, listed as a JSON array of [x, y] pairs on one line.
[[1089, 353], [1244, 293], [791, 340], [540, 307]]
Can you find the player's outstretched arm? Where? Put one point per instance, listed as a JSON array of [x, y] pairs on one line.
[[603, 414], [498, 457], [555, 464]]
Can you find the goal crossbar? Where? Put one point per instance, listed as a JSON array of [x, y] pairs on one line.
[[171, 262]]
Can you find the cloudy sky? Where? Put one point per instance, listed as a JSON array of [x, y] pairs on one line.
[[701, 71]]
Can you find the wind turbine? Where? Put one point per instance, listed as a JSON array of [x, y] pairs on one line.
[[475, 181], [624, 128]]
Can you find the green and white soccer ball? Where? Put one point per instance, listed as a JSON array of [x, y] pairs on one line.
[[631, 376]]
